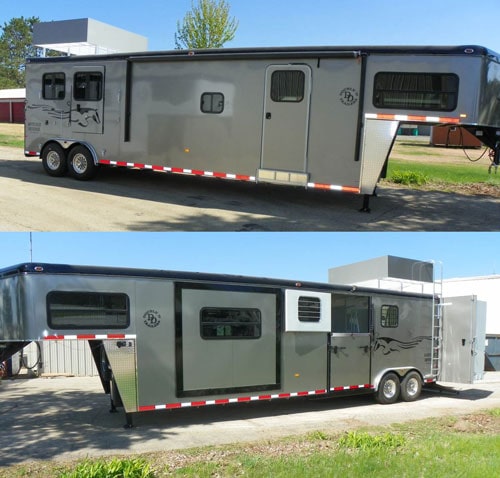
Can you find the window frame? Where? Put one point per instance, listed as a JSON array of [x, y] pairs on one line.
[[53, 85], [257, 323], [422, 96], [88, 75], [278, 96], [57, 323], [389, 322], [212, 110]]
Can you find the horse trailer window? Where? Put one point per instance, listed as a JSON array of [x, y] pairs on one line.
[[230, 323], [416, 91], [88, 86], [389, 316], [288, 86], [54, 86], [212, 103], [88, 310], [350, 314]]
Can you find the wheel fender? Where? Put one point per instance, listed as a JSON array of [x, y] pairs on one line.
[[90, 148], [401, 372]]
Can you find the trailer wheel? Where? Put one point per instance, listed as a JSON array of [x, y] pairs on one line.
[[54, 160], [411, 386], [81, 163], [389, 389]]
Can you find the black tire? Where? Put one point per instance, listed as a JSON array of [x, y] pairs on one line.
[[54, 160], [389, 389], [81, 163], [411, 386]]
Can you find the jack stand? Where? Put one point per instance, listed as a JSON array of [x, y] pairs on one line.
[[366, 203], [130, 423]]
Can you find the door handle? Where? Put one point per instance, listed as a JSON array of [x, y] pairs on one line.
[[268, 115], [365, 347], [336, 348]]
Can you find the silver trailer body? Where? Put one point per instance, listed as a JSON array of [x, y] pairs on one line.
[[165, 340], [321, 117]]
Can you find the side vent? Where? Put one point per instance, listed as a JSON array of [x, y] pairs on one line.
[[307, 311]]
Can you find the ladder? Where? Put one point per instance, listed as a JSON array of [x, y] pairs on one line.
[[437, 324]]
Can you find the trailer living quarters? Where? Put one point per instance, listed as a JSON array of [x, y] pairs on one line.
[[166, 340], [316, 117]]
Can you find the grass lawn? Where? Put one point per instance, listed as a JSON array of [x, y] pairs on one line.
[[436, 447]]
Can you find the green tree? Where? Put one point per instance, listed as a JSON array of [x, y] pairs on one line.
[[207, 25], [16, 44]]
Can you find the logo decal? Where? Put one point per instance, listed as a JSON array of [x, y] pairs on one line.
[[152, 318], [349, 96]]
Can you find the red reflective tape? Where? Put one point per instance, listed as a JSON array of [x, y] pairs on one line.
[[104, 161], [139, 165], [242, 177], [350, 189], [147, 408], [319, 392], [177, 170], [244, 399], [222, 401], [284, 395], [217, 174], [122, 163], [198, 172], [302, 394], [157, 168], [173, 405], [115, 336], [264, 397], [201, 403], [85, 336], [54, 337]]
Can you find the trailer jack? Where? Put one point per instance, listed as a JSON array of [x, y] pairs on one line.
[[366, 202]]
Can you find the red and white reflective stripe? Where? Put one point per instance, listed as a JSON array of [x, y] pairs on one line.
[[225, 401], [90, 337], [416, 118], [168, 169], [352, 387], [31, 153], [333, 187], [430, 380]]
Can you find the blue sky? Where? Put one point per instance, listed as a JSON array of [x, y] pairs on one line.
[[292, 22], [300, 256]]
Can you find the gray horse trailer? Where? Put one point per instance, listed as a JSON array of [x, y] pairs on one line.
[[315, 117], [167, 340]]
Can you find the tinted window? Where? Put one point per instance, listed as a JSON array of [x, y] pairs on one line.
[[230, 323], [287, 86], [212, 103], [54, 86], [416, 91], [389, 316], [82, 310], [350, 314], [88, 86]]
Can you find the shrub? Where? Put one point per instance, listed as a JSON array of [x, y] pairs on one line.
[[408, 177], [115, 468]]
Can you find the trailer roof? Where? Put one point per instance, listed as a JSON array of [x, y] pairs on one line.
[[280, 52], [44, 268]]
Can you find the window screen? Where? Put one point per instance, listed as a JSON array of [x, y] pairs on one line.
[[389, 316], [416, 91], [54, 86], [212, 103], [87, 310], [287, 86], [230, 323], [88, 86]]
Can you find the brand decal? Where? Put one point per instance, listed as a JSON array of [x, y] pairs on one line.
[[349, 96], [152, 318]]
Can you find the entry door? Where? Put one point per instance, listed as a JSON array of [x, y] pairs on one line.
[[87, 105], [464, 324], [286, 118], [350, 341]]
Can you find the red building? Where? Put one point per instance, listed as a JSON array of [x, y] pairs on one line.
[[12, 105]]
